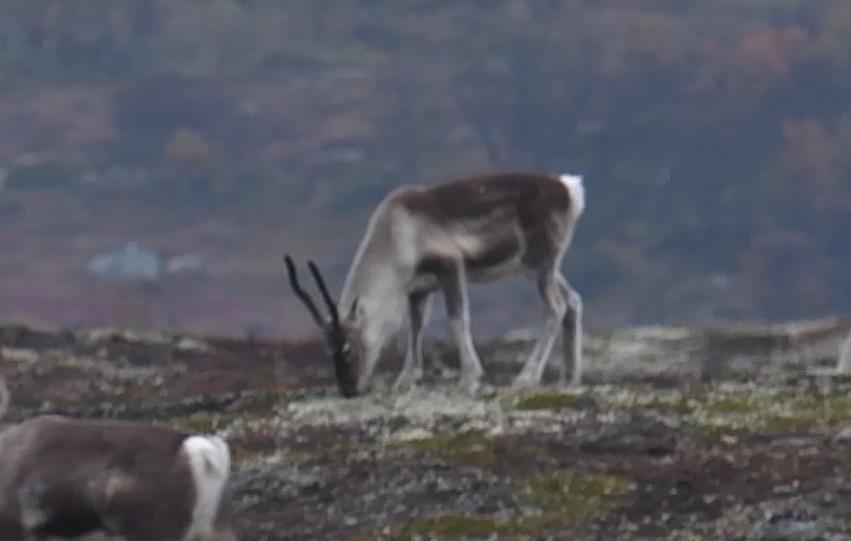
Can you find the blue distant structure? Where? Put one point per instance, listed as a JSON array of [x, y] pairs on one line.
[[130, 264]]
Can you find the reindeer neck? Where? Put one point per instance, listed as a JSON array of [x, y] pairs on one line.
[[375, 268]]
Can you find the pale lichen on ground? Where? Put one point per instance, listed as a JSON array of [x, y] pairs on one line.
[[647, 449]]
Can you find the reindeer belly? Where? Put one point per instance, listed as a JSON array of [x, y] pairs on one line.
[[485, 259], [500, 257], [71, 523], [58, 510]]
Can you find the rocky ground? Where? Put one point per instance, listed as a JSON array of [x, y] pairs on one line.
[[679, 434]]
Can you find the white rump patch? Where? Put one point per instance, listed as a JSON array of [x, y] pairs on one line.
[[843, 366], [576, 189], [209, 460]]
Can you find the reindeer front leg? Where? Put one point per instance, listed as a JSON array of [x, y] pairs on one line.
[[419, 308], [452, 278]]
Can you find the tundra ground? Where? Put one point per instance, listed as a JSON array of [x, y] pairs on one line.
[[679, 434]]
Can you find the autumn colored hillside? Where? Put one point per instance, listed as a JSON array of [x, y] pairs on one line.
[[715, 138]]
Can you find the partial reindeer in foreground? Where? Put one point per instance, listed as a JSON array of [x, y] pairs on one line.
[[423, 239], [843, 365], [61, 477]]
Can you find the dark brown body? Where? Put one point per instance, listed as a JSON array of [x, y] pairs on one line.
[[519, 213]]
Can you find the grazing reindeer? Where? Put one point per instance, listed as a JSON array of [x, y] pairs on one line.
[[61, 477], [421, 239]]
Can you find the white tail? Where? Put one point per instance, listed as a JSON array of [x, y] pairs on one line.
[[843, 366], [576, 189], [209, 460]]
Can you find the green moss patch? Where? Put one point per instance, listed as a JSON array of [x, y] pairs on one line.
[[476, 448], [788, 410], [810, 406], [470, 447], [550, 400], [454, 527], [574, 497], [565, 499], [258, 406]]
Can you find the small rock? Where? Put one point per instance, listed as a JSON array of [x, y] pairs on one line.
[[843, 436], [797, 441], [191, 344], [413, 434], [19, 355], [727, 439], [787, 489], [790, 525]]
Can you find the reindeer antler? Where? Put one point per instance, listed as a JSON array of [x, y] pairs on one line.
[[302, 294], [323, 289]]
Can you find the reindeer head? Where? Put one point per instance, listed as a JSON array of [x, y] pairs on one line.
[[340, 339]]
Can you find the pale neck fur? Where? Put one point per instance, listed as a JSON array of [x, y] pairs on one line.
[[382, 312], [378, 279], [375, 246]]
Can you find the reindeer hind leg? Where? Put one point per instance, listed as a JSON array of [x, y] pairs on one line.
[[572, 336], [555, 306]]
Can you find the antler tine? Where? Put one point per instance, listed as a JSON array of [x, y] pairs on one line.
[[332, 306], [302, 294]]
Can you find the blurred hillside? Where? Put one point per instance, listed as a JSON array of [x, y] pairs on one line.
[[714, 137]]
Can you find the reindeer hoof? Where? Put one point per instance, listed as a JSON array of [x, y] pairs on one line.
[[573, 383], [469, 384], [524, 381], [407, 380]]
